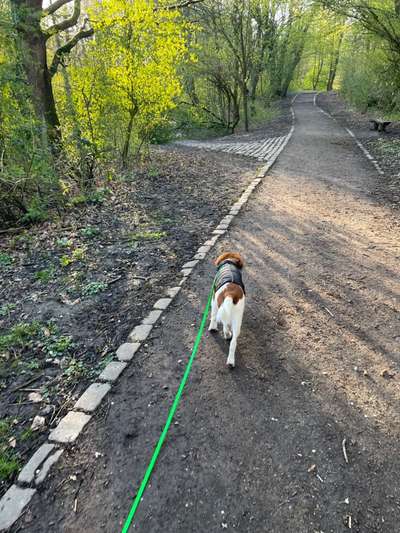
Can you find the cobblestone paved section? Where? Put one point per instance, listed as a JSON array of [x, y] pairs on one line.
[[262, 150]]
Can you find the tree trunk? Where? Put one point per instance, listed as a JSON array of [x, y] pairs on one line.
[[333, 65], [245, 95], [27, 16], [125, 150], [317, 73]]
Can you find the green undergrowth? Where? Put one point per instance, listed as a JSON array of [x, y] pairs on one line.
[[9, 462], [147, 236]]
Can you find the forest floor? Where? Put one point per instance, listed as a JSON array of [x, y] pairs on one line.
[[72, 290], [262, 448]]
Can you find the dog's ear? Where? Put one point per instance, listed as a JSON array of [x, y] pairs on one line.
[[232, 256]]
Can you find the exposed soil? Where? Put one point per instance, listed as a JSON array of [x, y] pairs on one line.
[[263, 448], [80, 285], [385, 147]]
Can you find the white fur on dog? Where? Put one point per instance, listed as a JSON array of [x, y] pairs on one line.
[[230, 315]]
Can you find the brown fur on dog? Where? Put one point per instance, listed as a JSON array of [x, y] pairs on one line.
[[232, 256], [232, 290]]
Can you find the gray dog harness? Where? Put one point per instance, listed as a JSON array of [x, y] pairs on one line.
[[228, 272]]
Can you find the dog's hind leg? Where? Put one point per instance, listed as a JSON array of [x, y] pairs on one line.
[[213, 322], [236, 325], [227, 332]]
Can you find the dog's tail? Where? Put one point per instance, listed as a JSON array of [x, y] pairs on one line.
[[224, 313]]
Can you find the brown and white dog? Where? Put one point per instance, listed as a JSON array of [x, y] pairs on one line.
[[227, 305]]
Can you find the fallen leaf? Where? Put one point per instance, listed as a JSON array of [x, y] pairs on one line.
[[35, 397], [38, 423]]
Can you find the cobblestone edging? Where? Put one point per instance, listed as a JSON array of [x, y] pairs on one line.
[[14, 501], [364, 150]]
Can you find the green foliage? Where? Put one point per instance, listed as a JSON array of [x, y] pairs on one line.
[[6, 309], [19, 336], [26, 434], [57, 345], [46, 275], [97, 196], [90, 232], [28, 183], [9, 463], [27, 334], [147, 236], [370, 58], [5, 259], [75, 370], [64, 242], [94, 287], [77, 255]]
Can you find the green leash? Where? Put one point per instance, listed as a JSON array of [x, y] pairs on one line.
[[171, 414]]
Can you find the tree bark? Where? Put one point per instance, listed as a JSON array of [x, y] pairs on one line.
[[125, 150], [27, 14], [334, 64], [245, 96]]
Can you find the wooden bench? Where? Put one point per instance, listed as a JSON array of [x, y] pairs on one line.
[[380, 125]]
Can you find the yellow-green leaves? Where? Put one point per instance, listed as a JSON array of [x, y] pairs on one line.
[[128, 78]]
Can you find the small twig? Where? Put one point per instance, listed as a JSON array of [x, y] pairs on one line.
[[27, 383], [11, 230], [55, 415], [329, 311], [114, 280], [344, 451], [21, 403], [319, 477], [75, 504], [61, 484]]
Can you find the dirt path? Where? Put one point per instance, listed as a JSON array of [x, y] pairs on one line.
[[259, 449]]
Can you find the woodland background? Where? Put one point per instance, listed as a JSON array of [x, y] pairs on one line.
[[86, 86]]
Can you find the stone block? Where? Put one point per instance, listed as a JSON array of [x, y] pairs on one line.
[[92, 397], [69, 427]]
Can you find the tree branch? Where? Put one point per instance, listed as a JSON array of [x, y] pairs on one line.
[[52, 8], [67, 47], [181, 5], [67, 23]]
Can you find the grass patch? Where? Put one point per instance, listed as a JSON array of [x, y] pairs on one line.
[[44, 336], [26, 434], [46, 275], [9, 463], [147, 236], [19, 336]]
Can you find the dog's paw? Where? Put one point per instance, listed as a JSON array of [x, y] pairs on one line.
[[230, 364], [227, 335], [212, 329]]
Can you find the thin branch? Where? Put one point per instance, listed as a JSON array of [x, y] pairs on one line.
[[181, 5], [67, 47], [52, 8], [67, 23]]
